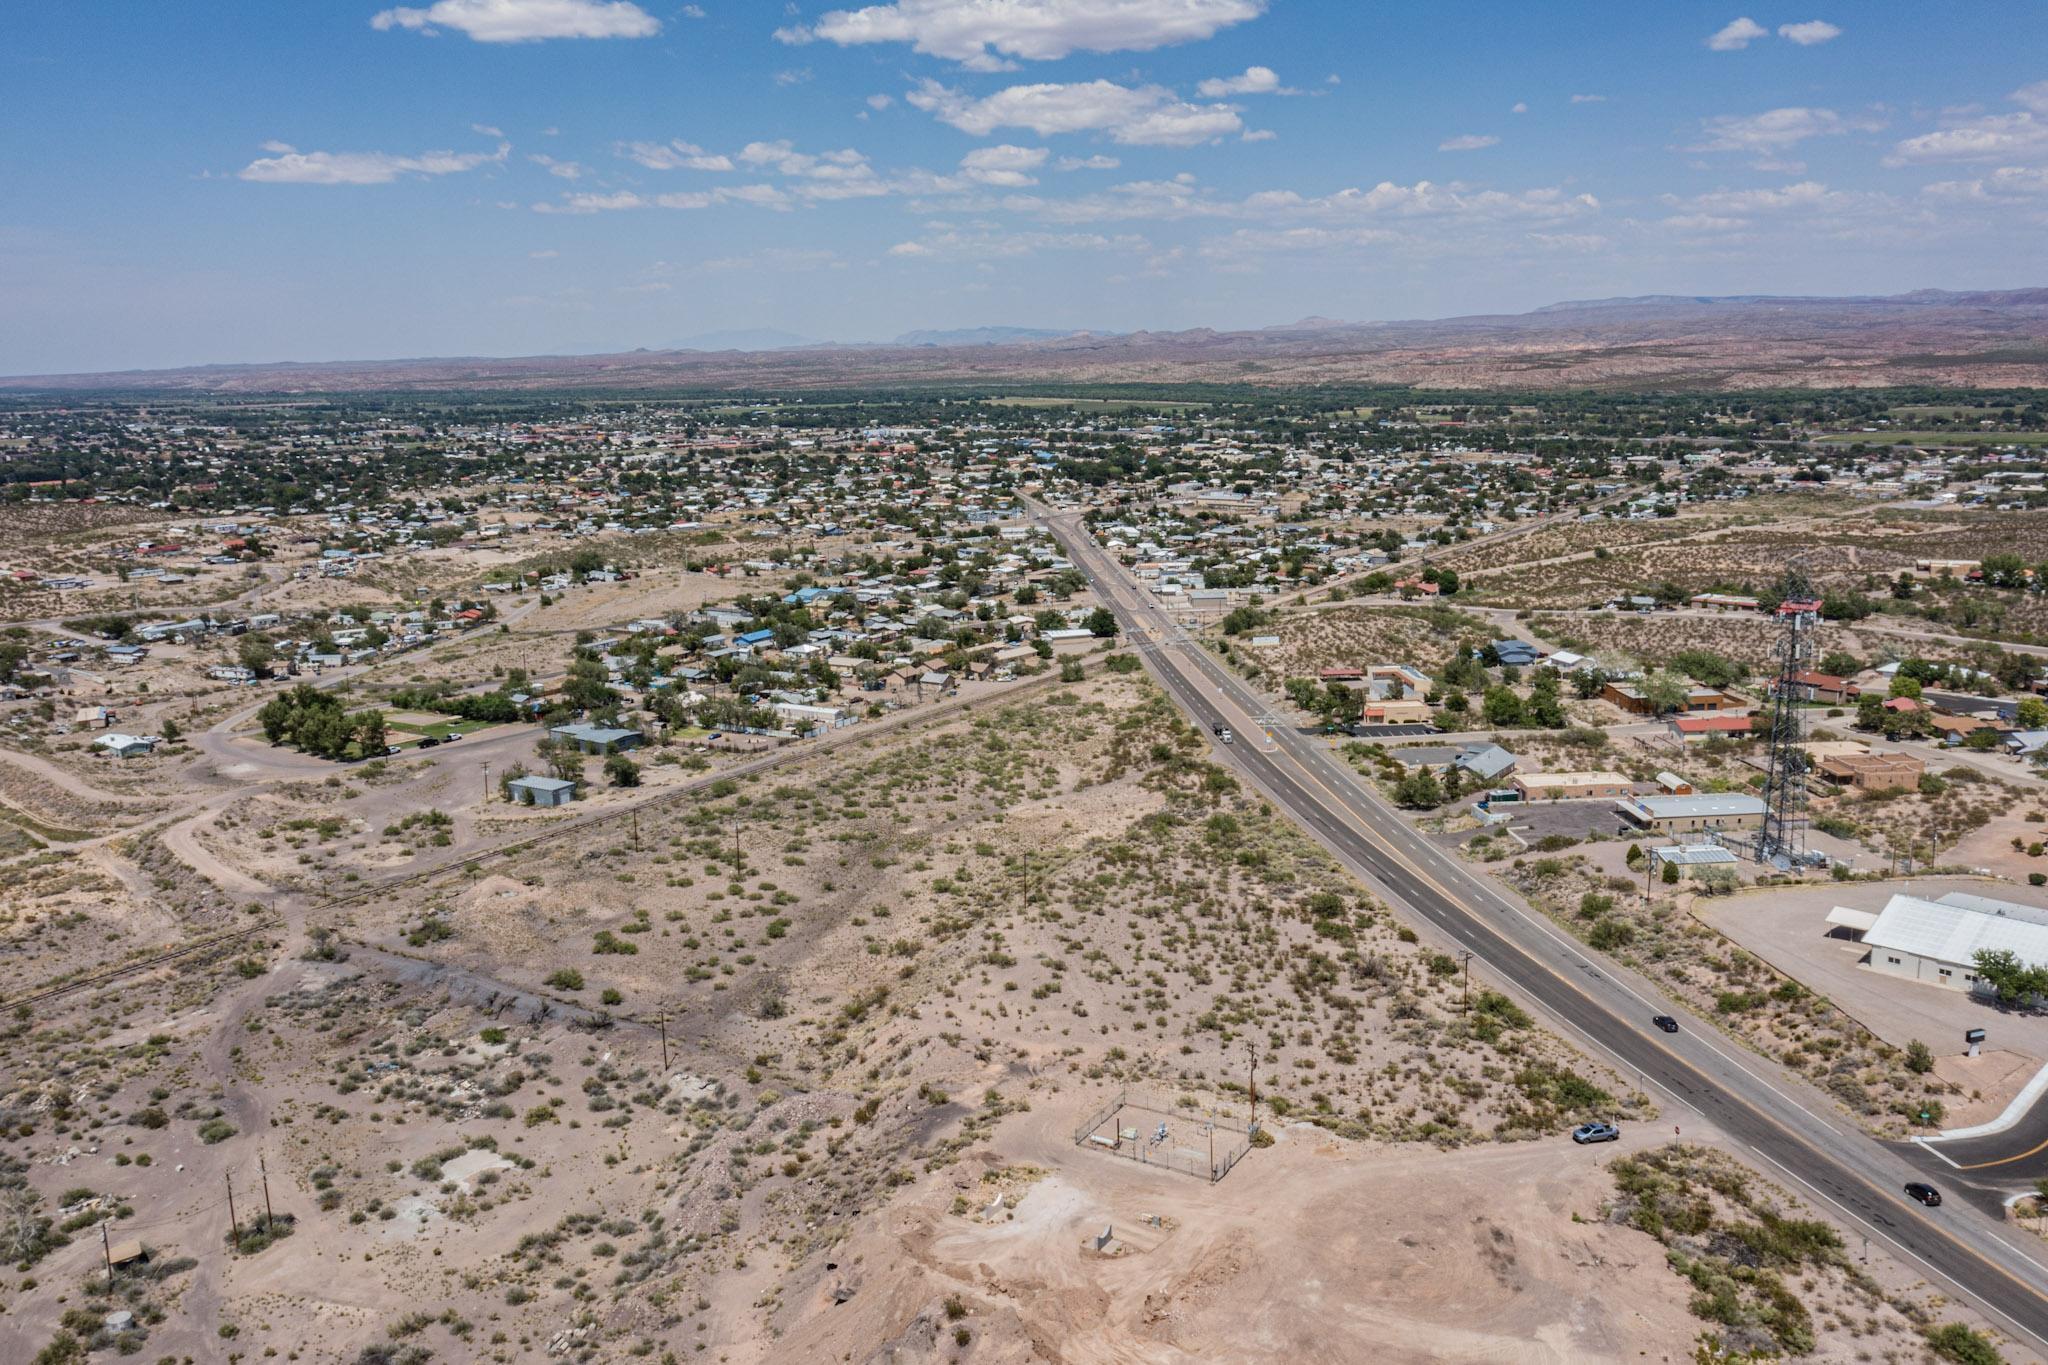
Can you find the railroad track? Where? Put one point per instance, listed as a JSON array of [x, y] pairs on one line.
[[139, 965]]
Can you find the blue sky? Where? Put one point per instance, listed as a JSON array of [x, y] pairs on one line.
[[248, 180]]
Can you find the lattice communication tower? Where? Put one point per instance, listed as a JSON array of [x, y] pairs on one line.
[[1782, 840]]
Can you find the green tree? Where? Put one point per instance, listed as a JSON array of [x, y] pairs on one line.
[[1502, 707], [622, 771], [1666, 692], [2031, 714], [1101, 623], [256, 653], [1419, 790], [2015, 983]]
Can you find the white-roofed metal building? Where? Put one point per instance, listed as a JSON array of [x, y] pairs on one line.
[[1937, 941]]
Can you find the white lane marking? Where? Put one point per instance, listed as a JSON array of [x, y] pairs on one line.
[[1927, 1146]]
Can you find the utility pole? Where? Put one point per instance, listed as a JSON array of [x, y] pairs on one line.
[[1467, 956], [636, 829], [107, 1250], [268, 1216], [234, 1224], [664, 1042], [487, 782], [1252, 1071]]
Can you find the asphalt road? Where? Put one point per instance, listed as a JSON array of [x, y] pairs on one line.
[[1985, 1170], [1794, 1130]]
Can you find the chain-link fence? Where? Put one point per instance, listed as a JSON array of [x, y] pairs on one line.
[[1177, 1132]]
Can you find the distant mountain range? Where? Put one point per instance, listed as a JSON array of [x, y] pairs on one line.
[[1986, 339], [986, 336], [745, 339]]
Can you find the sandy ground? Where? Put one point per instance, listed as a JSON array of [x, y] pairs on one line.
[[1316, 1249]]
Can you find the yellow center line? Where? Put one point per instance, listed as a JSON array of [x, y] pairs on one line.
[[2007, 1160]]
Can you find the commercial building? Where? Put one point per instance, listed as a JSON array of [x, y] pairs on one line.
[[1571, 786], [1937, 941], [1680, 814], [1690, 859]]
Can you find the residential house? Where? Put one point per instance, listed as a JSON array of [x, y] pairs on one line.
[[534, 790], [599, 739], [1871, 772]]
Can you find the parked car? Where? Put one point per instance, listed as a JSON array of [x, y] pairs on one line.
[[429, 742], [1595, 1132], [1925, 1193], [1666, 1022]]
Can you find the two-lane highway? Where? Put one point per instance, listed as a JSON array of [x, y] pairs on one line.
[[1791, 1127]]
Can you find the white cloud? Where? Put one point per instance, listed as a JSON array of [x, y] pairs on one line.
[[2005, 184], [288, 167], [1469, 142], [1256, 80], [757, 196], [567, 170], [1182, 199], [1521, 107], [1737, 34], [1809, 33], [1589, 99], [1777, 128], [1000, 245], [546, 255], [1994, 137], [1845, 211], [974, 31], [1087, 163], [880, 101], [795, 76], [1148, 115], [486, 130], [1003, 165], [524, 21], [2020, 137], [691, 11], [675, 155]]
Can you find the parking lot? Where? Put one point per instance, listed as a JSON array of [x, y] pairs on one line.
[[1786, 927]]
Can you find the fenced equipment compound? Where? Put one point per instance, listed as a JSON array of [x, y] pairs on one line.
[[1177, 1133]]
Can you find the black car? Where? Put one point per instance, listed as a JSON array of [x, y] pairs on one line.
[[1925, 1193], [1666, 1022], [429, 742]]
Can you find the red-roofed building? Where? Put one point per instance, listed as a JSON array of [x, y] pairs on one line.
[[1691, 728], [1822, 687]]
